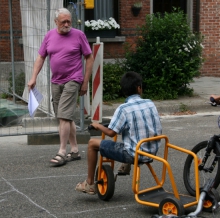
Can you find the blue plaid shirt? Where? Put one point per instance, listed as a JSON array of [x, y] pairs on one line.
[[137, 119]]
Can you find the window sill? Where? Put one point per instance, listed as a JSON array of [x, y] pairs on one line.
[[116, 39]]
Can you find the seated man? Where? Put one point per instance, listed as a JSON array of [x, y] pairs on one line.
[[136, 119], [215, 100]]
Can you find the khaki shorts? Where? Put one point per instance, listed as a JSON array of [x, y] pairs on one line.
[[64, 99]]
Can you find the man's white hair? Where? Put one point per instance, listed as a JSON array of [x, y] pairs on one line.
[[61, 11]]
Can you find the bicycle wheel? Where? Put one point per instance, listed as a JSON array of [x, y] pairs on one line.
[[106, 187], [189, 172]]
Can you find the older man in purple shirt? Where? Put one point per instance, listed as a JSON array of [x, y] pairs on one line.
[[65, 47]]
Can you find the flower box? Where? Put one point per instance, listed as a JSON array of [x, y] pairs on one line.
[[101, 28], [100, 33]]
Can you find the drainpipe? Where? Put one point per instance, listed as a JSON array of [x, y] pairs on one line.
[[197, 27]]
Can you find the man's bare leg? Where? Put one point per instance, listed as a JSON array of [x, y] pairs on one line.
[[72, 138], [64, 132], [74, 151]]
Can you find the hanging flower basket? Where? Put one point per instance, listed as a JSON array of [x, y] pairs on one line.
[[135, 11], [136, 7]]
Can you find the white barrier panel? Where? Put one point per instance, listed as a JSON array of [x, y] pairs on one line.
[[34, 28], [97, 81]]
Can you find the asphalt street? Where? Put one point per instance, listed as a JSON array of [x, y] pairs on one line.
[[30, 188]]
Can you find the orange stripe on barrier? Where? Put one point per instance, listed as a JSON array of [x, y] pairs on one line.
[[96, 114], [96, 81], [96, 48]]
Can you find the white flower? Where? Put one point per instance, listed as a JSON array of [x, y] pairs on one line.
[[201, 45], [101, 24], [189, 46], [87, 23]]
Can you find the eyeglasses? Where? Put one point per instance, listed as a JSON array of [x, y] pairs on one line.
[[64, 22]]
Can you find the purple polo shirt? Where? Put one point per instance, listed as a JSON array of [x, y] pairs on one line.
[[65, 52]]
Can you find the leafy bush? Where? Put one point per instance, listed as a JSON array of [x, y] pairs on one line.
[[167, 55], [112, 73], [4, 95], [19, 83]]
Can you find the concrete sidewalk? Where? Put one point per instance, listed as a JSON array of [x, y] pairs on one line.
[[203, 87]]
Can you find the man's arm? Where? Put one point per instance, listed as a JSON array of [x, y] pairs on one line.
[[105, 130], [88, 72], [36, 70]]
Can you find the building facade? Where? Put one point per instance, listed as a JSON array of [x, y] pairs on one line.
[[204, 16]]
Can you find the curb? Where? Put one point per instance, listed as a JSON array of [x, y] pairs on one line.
[[54, 139], [181, 106], [82, 137]]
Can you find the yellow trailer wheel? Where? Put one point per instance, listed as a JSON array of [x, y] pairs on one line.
[[171, 205]]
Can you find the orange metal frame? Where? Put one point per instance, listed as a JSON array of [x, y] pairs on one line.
[[166, 167]]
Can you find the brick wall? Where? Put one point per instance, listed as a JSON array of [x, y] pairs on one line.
[[5, 54], [210, 28], [128, 23]]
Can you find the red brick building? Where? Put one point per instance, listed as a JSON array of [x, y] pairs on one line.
[[5, 48], [210, 28], [205, 16]]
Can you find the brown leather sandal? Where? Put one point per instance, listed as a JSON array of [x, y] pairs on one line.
[[73, 156], [60, 161]]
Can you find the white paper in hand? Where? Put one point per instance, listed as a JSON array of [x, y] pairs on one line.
[[35, 98]]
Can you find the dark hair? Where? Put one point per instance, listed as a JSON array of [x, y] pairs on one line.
[[130, 82]]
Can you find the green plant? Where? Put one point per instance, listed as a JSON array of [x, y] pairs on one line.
[[137, 5], [4, 95], [19, 83], [183, 108], [167, 54], [112, 73]]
